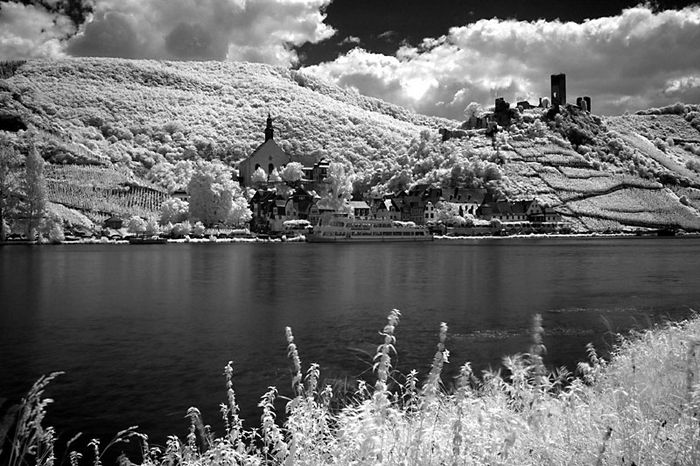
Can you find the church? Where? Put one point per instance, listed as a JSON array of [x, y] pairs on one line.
[[268, 156]]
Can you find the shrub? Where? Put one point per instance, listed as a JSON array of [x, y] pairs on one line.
[[182, 229], [198, 229], [51, 229], [136, 225], [578, 136], [174, 210]]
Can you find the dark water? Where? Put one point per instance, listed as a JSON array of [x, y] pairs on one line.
[[143, 332]]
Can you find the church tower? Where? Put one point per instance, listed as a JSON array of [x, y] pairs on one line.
[[269, 131]]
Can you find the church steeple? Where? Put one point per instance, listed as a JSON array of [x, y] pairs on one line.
[[269, 131]]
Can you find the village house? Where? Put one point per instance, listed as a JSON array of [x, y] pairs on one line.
[[385, 209], [181, 194], [532, 211], [541, 213], [414, 201], [468, 199], [359, 209], [298, 205]]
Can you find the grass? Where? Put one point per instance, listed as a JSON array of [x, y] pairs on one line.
[[640, 408]]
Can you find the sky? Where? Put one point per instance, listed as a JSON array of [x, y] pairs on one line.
[[433, 56]]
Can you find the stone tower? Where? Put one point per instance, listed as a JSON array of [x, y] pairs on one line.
[[558, 89]]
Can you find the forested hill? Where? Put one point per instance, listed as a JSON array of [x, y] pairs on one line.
[[149, 119]]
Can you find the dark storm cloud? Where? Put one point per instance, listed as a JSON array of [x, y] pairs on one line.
[[111, 34]]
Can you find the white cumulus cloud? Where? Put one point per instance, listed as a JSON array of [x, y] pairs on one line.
[[252, 30], [637, 59], [30, 31]]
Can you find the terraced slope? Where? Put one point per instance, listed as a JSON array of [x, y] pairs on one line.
[[147, 121]]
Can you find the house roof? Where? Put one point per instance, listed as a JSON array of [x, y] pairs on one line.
[[520, 207], [358, 205], [465, 195], [268, 147]]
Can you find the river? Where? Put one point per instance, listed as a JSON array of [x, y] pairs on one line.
[[143, 332]]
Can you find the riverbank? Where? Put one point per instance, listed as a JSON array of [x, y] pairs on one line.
[[639, 408], [301, 239]]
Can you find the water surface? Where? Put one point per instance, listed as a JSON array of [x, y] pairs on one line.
[[143, 332]]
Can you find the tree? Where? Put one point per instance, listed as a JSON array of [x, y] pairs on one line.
[[10, 185], [136, 225], [339, 187], [474, 109], [152, 227], [214, 196], [259, 177], [400, 181], [174, 210], [51, 229], [35, 191], [180, 230], [275, 177], [198, 229], [240, 212], [292, 172]]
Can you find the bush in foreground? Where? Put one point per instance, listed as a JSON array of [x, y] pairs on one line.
[[641, 408]]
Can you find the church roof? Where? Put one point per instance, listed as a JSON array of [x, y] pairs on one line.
[[268, 147]]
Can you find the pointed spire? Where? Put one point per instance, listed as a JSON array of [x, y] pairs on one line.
[[269, 131]]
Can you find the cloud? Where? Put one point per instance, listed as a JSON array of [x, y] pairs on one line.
[[388, 36], [31, 31], [350, 40], [251, 30], [637, 59]]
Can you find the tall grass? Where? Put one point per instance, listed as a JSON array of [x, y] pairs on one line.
[[642, 407]]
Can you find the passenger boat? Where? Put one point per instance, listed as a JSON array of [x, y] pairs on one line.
[[352, 230]]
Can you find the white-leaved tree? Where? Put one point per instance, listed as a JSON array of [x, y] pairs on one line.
[[214, 196], [137, 225], [339, 188], [174, 210], [180, 230], [152, 227], [10, 185], [259, 177], [35, 191], [292, 172], [474, 109], [198, 229], [240, 212], [275, 177], [51, 229]]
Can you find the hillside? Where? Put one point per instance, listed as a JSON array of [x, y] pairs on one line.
[[143, 122]]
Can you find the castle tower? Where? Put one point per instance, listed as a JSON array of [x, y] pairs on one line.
[[558, 89], [269, 131]]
